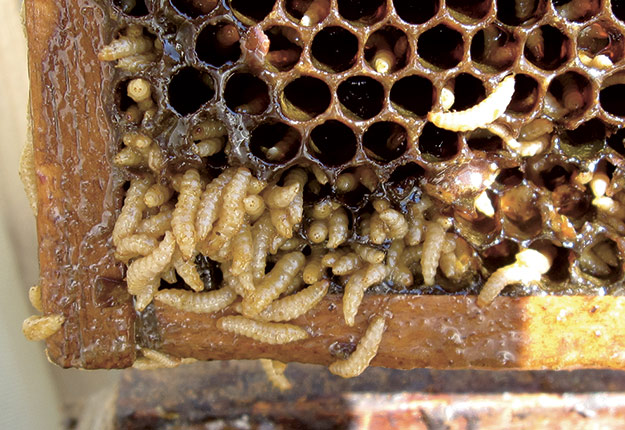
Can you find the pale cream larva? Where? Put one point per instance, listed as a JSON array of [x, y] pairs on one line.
[[366, 350]]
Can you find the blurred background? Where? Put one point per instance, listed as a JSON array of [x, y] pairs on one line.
[[27, 377]]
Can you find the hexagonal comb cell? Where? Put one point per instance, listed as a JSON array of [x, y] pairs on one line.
[[494, 47], [385, 141], [520, 12], [441, 46], [387, 50], [284, 47], [275, 142], [569, 95], [577, 10], [333, 143], [362, 11], [470, 10], [245, 93], [250, 12], [612, 93], [305, 97], [218, 44], [416, 12], [413, 95], [437, 144], [547, 48], [334, 49], [308, 12], [601, 45], [189, 89], [361, 96]]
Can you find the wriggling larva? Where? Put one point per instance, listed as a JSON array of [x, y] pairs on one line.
[[232, 212], [281, 197], [132, 211], [210, 202], [135, 245], [485, 112], [432, 247], [396, 223], [34, 296], [275, 373], [338, 228], [313, 270], [263, 232], [124, 47], [242, 251], [366, 350], [347, 264], [157, 195], [296, 209], [296, 305], [183, 219], [254, 206], [356, 286], [201, 303], [28, 175], [153, 359], [281, 222], [144, 270], [266, 332], [369, 254], [158, 224], [274, 283], [39, 327], [187, 271]]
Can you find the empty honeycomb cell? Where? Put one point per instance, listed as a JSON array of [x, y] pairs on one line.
[[218, 44], [304, 98], [519, 206], [468, 91], [334, 49], [547, 48], [416, 12], [520, 12], [333, 143], [618, 9], [245, 93], [476, 228], [189, 89], [526, 95], [601, 41], [275, 142], [441, 47], [484, 140], [577, 10], [438, 144], [387, 50], [362, 11], [470, 10], [568, 96], [361, 96], [545, 173], [132, 7], [494, 47], [404, 180], [617, 141], [194, 8], [612, 94], [385, 141], [284, 47], [308, 12], [510, 177], [413, 95], [250, 12], [584, 141]]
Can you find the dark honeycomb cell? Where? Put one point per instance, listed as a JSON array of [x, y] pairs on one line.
[[252, 11], [387, 50], [333, 143], [218, 44], [308, 13], [586, 140], [617, 141], [413, 95], [601, 260], [618, 9], [305, 97], [189, 89], [194, 8], [484, 140], [477, 228], [601, 38], [500, 255], [470, 10], [468, 91], [561, 266], [612, 95], [132, 7], [570, 201], [284, 47], [577, 11], [568, 96], [441, 46], [275, 142], [553, 176], [547, 48], [404, 179], [122, 101], [335, 49], [438, 144], [518, 12], [362, 11], [362, 96], [416, 12], [245, 93], [510, 177], [385, 141], [494, 47], [526, 95], [519, 206], [349, 188]]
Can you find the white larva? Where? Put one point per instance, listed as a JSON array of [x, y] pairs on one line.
[[366, 350]]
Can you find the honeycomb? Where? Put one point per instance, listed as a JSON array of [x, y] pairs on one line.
[[347, 85]]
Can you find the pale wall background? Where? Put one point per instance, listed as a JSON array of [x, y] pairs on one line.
[[34, 394]]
